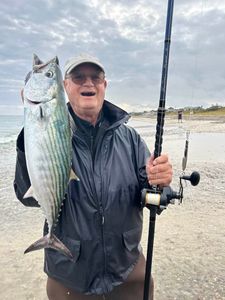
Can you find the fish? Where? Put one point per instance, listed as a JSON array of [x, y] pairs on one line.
[[48, 146]]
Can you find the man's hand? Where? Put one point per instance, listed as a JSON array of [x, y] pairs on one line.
[[159, 171]]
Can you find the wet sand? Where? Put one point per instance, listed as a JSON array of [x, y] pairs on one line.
[[189, 247]]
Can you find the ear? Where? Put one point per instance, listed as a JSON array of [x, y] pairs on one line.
[[105, 84], [65, 84], [36, 60]]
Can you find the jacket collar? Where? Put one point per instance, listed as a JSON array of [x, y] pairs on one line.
[[114, 115]]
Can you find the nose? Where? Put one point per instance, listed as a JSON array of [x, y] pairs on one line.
[[88, 81]]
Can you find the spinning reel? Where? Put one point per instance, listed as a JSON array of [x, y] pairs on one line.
[[161, 198]]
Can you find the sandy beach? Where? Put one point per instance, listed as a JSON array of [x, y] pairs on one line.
[[189, 247]]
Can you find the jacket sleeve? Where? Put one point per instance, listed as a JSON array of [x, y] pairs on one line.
[[22, 180], [143, 155], [140, 155]]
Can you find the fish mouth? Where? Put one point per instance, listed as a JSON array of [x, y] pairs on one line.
[[33, 102]]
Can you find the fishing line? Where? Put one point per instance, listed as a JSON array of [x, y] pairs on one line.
[[193, 92], [196, 58]]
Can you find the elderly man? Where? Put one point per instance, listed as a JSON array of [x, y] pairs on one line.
[[101, 220]]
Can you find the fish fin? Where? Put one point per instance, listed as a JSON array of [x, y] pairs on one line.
[[36, 60], [73, 175], [29, 193], [56, 60], [50, 242]]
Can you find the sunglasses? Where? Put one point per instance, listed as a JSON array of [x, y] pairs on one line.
[[80, 79]]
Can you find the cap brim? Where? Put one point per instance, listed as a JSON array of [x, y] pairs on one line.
[[72, 65]]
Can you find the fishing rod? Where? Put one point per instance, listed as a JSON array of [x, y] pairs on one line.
[[156, 199]]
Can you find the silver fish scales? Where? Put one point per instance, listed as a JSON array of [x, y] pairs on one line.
[[48, 147]]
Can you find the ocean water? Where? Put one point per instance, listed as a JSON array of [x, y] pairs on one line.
[[10, 126], [203, 146]]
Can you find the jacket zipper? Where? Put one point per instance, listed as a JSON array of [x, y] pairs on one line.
[[102, 215], [101, 211]]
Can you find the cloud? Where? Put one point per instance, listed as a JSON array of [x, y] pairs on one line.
[[128, 37]]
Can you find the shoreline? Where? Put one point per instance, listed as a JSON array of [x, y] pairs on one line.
[[200, 125]]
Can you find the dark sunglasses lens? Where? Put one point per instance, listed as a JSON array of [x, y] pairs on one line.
[[81, 78]]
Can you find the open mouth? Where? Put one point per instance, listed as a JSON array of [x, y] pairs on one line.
[[88, 94]]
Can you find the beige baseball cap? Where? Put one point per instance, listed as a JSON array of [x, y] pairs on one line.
[[80, 59]]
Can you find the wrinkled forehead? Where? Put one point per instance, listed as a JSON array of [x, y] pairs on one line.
[[86, 67]]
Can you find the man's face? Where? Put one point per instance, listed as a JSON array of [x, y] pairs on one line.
[[85, 87]]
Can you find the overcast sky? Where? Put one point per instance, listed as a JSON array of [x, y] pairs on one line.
[[128, 37]]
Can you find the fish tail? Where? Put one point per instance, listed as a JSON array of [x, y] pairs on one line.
[[50, 242]]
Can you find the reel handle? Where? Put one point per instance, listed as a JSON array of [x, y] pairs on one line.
[[194, 178]]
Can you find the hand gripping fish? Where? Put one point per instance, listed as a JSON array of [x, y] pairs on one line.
[[48, 147]]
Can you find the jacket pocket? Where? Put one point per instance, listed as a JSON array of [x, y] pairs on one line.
[[132, 238], [72, 245], [60, 266]]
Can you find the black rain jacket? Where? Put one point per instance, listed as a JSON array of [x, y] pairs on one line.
[[101, 219]]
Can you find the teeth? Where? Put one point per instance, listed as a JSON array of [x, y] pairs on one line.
[[87, 94]]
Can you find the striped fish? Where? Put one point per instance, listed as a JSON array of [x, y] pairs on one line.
[[48, 147]]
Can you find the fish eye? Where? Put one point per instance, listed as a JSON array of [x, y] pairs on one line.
[[49, 74]]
